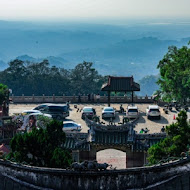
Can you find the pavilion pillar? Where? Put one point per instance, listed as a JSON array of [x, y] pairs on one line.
[[108, 98], [132, 98]]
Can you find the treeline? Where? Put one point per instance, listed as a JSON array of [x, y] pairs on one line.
[[39, 78]]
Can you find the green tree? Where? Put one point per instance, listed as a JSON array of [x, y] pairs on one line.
[[41, 147], [4, 93], [39, 78], [176, 142], [85, 79], [175, 74]]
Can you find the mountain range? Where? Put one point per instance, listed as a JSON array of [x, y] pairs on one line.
[[121, 50]]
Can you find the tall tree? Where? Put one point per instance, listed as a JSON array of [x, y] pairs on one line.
[[175, 74], [85, 79], [176, 142], [4, 93], [41, 147]]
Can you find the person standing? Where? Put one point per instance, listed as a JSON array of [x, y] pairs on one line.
[[98, 98], [79, 98], [89, 99]]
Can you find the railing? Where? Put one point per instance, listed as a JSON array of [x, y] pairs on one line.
[[74, 99]]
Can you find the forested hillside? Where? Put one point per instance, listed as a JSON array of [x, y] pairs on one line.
[[39, 78]]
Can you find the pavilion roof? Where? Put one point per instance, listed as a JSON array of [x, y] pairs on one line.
[[120, 84]]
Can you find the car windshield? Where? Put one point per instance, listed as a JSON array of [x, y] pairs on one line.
[[132, 110], [58, 108], [108, 109], [69, 125], [87, 109], [154, 110]]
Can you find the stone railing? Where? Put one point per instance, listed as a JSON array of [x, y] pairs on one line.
[[74, 99], [174, 175]]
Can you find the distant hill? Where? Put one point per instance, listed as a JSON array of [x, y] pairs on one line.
[[131, 49], [137, 57], [148, 85], [54, 61], [3, 65]]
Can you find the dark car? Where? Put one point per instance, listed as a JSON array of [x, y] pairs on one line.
[[58, 111], [88, 112]]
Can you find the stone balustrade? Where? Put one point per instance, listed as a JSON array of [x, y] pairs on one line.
[[174, 175], [74, 99]]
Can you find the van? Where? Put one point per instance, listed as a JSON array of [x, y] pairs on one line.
[[57, 111]]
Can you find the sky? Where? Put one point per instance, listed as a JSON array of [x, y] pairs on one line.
[[92, 9]]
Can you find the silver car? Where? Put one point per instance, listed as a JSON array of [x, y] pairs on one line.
[[108, 112], [132, 112], [71, 126]]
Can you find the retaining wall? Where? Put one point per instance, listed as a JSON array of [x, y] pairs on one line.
[[173, 176]]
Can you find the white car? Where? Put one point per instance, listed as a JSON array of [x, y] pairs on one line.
[[153, 111], [132, 112], [71, 126], [108, 112]]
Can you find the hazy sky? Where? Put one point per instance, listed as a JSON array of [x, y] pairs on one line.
[[91, 9]]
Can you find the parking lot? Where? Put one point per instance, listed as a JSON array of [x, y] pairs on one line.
[[154, 126], [111, 156]]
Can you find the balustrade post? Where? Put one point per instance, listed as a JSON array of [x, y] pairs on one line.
[[12, 97], [53, 97], [33, 97], [23, 98], [64, 99], [43, 98]]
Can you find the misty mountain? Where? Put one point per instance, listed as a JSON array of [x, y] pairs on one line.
[[128, 49], [53, 61], [148, 85], [138, 57]]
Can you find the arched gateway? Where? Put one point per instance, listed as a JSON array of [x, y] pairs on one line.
[[84, 146]]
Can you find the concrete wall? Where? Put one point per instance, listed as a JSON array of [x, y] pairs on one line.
[[173, 176], [74, 99]]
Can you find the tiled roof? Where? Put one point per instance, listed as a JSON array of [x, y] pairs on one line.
[[121, 84], [76, 141], [144, 141]]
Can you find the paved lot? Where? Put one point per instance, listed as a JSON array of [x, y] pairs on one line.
[[114, 157], [153, 125]]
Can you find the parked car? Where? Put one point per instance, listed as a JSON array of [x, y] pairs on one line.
[[88, 112], [71, 126], [108, 112], [132, 112], [58, 111], [153, 111]]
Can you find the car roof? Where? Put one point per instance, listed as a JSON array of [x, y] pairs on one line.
[[34, 111], [39, 113], [45, 104], [58, 105], [108, 107], [153, 106], [87, 108], [132, 107], [68, 122]]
